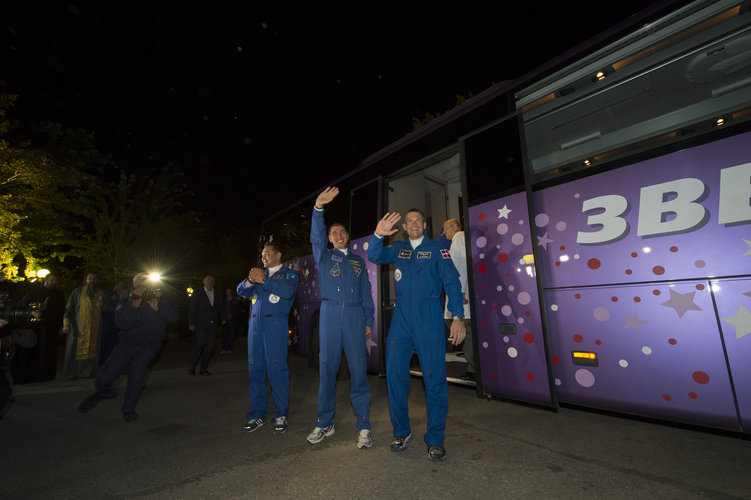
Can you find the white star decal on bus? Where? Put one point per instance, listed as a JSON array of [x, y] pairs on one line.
[[503, 212], [741, 321]]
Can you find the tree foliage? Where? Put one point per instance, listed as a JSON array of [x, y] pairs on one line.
[[429, 117], [47, 187], [141, 224], [61, 207]]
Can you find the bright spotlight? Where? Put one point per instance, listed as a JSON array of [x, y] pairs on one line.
[[155, 276], [42, 273]]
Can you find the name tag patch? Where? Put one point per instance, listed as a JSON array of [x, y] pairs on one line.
[[405, 254], [337, 258], [423, 255]]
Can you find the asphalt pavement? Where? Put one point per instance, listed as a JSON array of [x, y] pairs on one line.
[[188, 442]]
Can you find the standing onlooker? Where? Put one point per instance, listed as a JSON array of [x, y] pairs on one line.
[[271, 293], [452, 229], [421, 269], [142, 320], [82, 322], [346, 322], [39, 363], [230, 327], [206, 312]]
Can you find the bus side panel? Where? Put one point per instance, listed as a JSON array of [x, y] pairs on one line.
[[308, 302], [360, 247], [657, 351], [684, 215], [733, 299], [509, 329]]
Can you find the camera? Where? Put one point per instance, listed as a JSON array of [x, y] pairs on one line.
[[19, 315], [151, 291]]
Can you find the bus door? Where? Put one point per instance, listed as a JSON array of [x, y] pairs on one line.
[[513, 351], [433, 186]]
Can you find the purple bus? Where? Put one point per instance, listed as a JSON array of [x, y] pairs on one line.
[[606, 203]]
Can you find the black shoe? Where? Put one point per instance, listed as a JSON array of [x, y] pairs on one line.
[[469, 376], [204, 372], [130, 416], [255, 423], [436, 453], [191, 370], [400, 443], [90, 402]]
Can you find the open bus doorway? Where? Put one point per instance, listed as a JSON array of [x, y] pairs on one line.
[[436, 190]]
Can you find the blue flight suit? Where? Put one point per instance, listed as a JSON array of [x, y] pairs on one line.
[[346, 309], [267, 339], [419, 274]]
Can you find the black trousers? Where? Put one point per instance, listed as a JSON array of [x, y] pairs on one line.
[[203, 348]]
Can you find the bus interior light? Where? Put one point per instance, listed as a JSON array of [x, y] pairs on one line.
[[603, 73]]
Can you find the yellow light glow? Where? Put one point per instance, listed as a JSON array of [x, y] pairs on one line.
[[43, 273], [189, 290], [585, 355], [529, 259], [155, 276]]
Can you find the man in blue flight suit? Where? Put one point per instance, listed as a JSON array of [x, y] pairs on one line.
[[272, 293], [346, 322], [421, 269]]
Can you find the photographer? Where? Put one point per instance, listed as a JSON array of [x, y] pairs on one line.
[[12, 317], [142, 320]]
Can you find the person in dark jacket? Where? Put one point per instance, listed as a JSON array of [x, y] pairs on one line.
[[142, 320], [207, 310]]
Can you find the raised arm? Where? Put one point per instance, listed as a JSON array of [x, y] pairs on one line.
[[377, 253], [318, 226]]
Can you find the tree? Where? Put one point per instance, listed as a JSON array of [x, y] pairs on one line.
[[48, 183], [141, 224]]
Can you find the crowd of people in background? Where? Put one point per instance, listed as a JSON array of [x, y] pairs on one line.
[[73, 337]]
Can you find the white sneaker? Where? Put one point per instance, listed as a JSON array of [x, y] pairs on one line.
[[364, 440], [280, 425], [317, 435]]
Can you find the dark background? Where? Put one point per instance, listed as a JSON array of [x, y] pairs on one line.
[[260, 103]]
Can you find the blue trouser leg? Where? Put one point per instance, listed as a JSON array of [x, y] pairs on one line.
[[431, 350], [399, 349], [329, 358], [137, 371], [275, 338], [115, 366], [256, 374], [353, 340]]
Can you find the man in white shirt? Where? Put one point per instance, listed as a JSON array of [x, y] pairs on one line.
[[452, 229]]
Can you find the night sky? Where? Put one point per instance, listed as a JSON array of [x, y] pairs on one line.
[[243, 95]]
